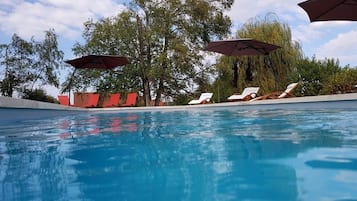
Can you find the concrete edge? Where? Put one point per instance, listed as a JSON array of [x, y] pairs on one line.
[[6, 102], [312, 101]]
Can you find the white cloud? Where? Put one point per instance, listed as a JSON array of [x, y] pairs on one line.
[[343, 47], [285, 11], [51, 90], [29, 19], [244, 10], [306, 34], [32, 18], [332, 39]]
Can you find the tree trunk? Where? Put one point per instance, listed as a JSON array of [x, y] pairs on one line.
[[159, 93], [147, 96]]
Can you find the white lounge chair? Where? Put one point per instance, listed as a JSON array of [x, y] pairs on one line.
[[288, 90], [249, 92], [277, 94], [204, 98]]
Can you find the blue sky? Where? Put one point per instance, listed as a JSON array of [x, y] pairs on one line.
[[30, 18]]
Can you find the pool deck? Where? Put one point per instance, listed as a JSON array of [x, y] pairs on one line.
[[338, 101], [325, 101], [12, 109], [7, 102]]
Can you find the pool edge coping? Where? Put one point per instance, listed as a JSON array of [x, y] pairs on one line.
[[7, 102]]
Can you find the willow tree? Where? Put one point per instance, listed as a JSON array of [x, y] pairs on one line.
[[162, 38], [270, 72]]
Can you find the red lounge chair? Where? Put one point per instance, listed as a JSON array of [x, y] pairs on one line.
[[113, 101], [64, 100], [92, 100], [130, 100]]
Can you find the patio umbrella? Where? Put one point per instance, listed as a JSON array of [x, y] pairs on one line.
[[95, 62], [325, 10], [99, 61], [240, 47]]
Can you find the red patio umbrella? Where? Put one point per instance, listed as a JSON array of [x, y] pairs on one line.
[[99, 61], [325, 10], [240, 47]]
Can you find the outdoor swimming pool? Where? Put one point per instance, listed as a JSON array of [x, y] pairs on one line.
[[197, 154]]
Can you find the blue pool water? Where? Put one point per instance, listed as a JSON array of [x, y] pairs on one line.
[[223, 154]]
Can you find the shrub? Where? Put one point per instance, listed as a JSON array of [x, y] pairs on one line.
[[344, 82], [38, 95]]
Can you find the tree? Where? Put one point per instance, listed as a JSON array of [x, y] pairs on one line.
[[222, 86], [27, 63], [344, 81], [270, 72], [48, 60], [16, 60], [314, 75], [162, 38]]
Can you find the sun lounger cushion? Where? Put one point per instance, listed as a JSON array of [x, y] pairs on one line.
[[204, 98], [250, 92]]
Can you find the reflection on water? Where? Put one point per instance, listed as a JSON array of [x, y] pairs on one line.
[[187, 155], [334, 163]]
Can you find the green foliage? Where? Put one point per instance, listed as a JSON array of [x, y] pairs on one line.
[[38, 95], [182, 99], [47, 60], [222, 86], [203, 82], [9, 83], [345, 81], [15, 58], [269, 72], [27, 63], [314, 75], [162, 39]]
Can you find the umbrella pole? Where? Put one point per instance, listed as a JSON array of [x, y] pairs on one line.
[[235, 74], [69, 87]]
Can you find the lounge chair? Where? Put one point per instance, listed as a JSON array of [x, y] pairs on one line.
[[247, 94], [113, 101], [92, 100], [288, 90], [64, 100], [204, 98], [277, 94], [130, 100]]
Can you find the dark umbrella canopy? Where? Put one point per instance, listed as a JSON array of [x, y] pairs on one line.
[[239, 47], [95, 62], [325, 10], [99, 61]]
